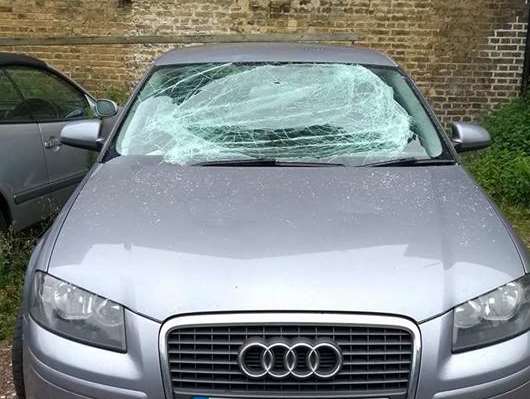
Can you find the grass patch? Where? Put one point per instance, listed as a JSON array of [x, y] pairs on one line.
[[503, 170], [15, 251]]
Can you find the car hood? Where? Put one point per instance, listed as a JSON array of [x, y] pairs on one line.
[[166, 240]]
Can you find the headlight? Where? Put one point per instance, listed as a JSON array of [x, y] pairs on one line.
[[77, 314], [499, 315]]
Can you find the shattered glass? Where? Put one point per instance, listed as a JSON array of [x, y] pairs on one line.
[[286, 112]]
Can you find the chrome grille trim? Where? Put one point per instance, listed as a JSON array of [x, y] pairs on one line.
[[287, 318]]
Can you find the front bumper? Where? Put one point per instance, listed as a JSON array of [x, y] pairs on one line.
[[57, 368]]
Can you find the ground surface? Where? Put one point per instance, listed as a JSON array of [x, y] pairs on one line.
[[6, 386]]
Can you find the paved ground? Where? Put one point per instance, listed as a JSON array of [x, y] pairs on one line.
[[6, 386]]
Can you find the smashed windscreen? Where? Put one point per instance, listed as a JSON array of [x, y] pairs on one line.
[[286, 112]]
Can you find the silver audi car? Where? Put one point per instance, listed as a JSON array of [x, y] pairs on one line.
[[276, 221]]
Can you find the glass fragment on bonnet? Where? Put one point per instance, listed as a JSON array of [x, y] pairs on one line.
[[286, 112]]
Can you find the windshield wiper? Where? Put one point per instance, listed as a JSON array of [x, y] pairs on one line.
[[412, 162], [263, 162]]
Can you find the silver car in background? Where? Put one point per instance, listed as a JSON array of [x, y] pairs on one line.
[[276, 221], [38, 173]]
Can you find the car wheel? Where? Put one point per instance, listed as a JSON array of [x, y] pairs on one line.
[[17, 359]]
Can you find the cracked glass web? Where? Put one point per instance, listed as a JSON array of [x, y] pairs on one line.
[[274, 111]]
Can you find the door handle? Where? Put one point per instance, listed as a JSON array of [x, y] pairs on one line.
[[52, 143]]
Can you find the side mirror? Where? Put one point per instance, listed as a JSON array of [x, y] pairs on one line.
[[469, 137], [106, 108], [83, 134]]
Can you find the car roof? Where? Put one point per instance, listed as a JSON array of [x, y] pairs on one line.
[[274, 52], [20, 59]]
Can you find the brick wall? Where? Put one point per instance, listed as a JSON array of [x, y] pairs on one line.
[[466, 55]]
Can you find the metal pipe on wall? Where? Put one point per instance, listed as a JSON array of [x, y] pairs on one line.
[[526, 67]]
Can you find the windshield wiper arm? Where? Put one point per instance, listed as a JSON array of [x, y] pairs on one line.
[[412, 162], [238, 162], [263, 162]]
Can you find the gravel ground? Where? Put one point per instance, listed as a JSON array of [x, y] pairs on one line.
[[6, 386]]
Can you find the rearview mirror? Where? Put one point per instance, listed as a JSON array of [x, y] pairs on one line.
[[83, 134], [469, 137], [106, 108]]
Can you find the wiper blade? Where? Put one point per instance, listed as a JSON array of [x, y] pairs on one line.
[[411, 162], [264, 162], [238, 162]]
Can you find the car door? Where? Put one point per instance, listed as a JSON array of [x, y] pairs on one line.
[[23, 172], [55, 102]]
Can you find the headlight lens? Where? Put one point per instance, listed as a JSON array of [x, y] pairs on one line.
[[499, 315], [77, 314]]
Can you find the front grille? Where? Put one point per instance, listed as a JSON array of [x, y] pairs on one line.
[[377, 361]]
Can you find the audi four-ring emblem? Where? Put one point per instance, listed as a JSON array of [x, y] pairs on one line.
[[297, 358]]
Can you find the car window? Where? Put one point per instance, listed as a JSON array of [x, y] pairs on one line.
[[12, 108], [335, 113], [49, 97]]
